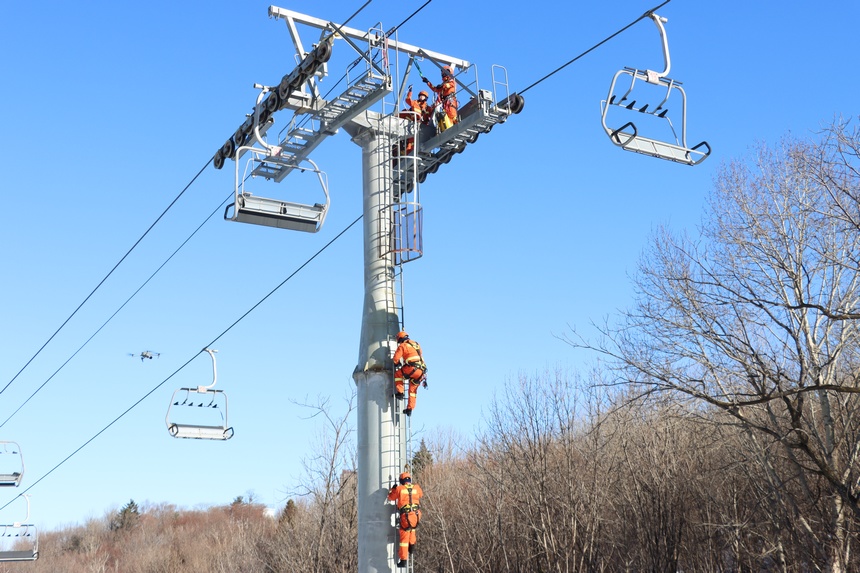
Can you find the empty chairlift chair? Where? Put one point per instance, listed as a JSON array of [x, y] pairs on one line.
[[628, 136], [19, 541], [11, 464], [273, 163], [199, 413]]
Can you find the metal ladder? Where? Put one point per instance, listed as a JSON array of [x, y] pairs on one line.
[[299, 140]]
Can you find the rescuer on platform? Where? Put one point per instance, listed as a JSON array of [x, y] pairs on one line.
[[445, 93], [416, 108], [408, 364], [407, 497]]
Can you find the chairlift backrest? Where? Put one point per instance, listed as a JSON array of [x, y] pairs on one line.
[[199, 412], [628, 136]]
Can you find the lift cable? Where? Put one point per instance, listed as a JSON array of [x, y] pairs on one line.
[[354, 14], [397, 27], [172, 203], [167, 260], [555, 71], [243, 316], [82, 446], [175, 372], [144, 283]]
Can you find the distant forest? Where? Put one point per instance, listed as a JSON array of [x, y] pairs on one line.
[[719, 431]]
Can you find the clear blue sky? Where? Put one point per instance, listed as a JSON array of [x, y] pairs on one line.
[[110, 108]]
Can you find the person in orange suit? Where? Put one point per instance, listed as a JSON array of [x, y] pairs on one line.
[[414, 110], [407, 497], [408, 364], [445, 93], [417, 107]]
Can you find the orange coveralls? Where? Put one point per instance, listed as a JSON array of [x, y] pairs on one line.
[[407, 498], [409, 362], [445, 93], [415, 109], [418, 107]]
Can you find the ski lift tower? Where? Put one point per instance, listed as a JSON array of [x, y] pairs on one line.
[[398, 153]]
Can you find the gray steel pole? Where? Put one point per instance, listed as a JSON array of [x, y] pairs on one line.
[[379, 450]]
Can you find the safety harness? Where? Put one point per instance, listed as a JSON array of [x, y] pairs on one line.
[[414, 369], [409, 512]]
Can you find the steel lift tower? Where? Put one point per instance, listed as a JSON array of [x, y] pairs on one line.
[[392, 221]]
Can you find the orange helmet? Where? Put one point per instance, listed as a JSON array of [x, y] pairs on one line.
[[447, 71], [423, 93], [405, 478], [402, 335]]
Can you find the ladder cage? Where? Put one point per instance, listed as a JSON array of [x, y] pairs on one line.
[[405, 231]]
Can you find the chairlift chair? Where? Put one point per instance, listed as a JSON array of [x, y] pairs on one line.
[[628, 136], [265, 158], [11, 464], [19, 541], [192, 411]]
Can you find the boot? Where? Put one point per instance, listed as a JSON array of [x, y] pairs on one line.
[[402, 563]]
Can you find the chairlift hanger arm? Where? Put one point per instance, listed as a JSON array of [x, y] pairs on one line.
[[214, 371], [276, 12], [667, 62]]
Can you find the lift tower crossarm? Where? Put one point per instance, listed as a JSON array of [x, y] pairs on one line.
[[289, 15]]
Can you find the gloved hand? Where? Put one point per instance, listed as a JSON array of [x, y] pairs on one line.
[[424, 383], [393, 486], [409, 89], [425, 80]]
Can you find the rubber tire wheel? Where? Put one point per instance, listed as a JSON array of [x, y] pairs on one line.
[[273, 102], [519, 104], [322, 53], [228, 149]]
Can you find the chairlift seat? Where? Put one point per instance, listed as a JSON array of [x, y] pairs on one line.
[[11, 464], [25, 555], [200, 432], [627, 138], [10, 479], [277, 213], [13, 536]]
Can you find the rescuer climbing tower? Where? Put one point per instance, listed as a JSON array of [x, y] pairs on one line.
[[397, 155]]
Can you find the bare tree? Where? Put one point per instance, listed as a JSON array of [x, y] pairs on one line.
[[757, 318], [331, 484]]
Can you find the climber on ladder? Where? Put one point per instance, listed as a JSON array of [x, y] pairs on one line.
[[407, 497], [409, 363]]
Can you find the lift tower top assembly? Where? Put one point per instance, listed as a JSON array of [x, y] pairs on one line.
[[398, 153]]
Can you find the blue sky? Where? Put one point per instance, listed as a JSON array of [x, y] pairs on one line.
[[110, 109]]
